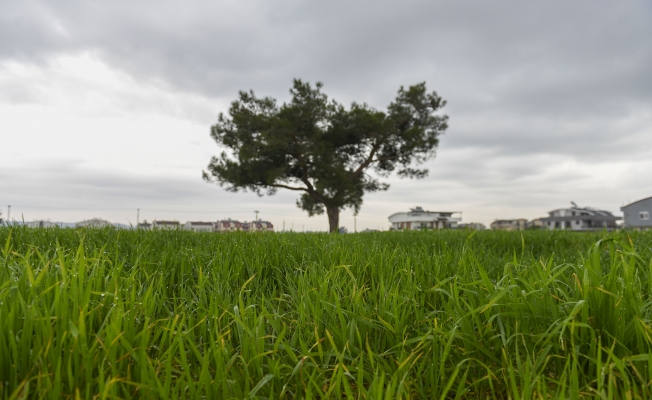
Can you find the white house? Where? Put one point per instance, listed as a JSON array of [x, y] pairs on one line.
[[537, 224], [418, 218], [472, 225], [40, 224], [169, 225], [258, 226], [145, 225], [580, 219], [228, 225], [199, 226]]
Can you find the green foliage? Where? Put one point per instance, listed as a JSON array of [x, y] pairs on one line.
[[437, 314], [318, 147]]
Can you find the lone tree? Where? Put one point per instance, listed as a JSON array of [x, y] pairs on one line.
[[320, 148]]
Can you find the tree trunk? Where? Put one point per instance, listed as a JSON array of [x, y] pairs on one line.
[[333, 219]]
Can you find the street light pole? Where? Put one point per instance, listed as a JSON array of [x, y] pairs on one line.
[[256, 214]]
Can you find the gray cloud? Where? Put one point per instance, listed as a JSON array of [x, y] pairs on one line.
[[516, 60], [226, 46]]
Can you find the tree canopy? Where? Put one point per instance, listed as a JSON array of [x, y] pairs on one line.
[[322, 149]]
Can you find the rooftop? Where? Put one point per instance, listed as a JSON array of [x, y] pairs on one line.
[[634, 202]]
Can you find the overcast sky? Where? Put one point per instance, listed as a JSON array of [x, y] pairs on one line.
[[105, 107]]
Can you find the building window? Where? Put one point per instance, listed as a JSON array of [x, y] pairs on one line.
[[644, 215]]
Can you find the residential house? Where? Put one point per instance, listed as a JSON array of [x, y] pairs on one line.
[[637, 214], [580, 219], [228, 225], [537, 224], [93, 223], [145, 225], [472, 225], [40, 224], [258, 226], [518, 224], [167, 225], [199, 226], [418, 218]]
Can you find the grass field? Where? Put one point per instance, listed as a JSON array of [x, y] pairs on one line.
[[432, 315]]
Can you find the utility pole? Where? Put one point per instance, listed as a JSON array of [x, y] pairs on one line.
[[355, 226], [8, 213], [283, 226], [256, 214], [138, 218]]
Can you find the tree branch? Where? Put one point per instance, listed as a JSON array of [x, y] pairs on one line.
[[304, 173], [310, 190], [366, 162], [386, 158], [278, 185]]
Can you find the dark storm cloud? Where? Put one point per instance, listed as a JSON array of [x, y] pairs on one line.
[[505, 45], [520, 77]]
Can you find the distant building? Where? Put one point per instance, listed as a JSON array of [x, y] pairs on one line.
[[258, 226], [40, 224], [472, 225], [580, 219], [637, 214], [228, 225], [417, 218], [537, 224], [93, 223], [519, 224], [199, 226], [167, 225], [145, 225]]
